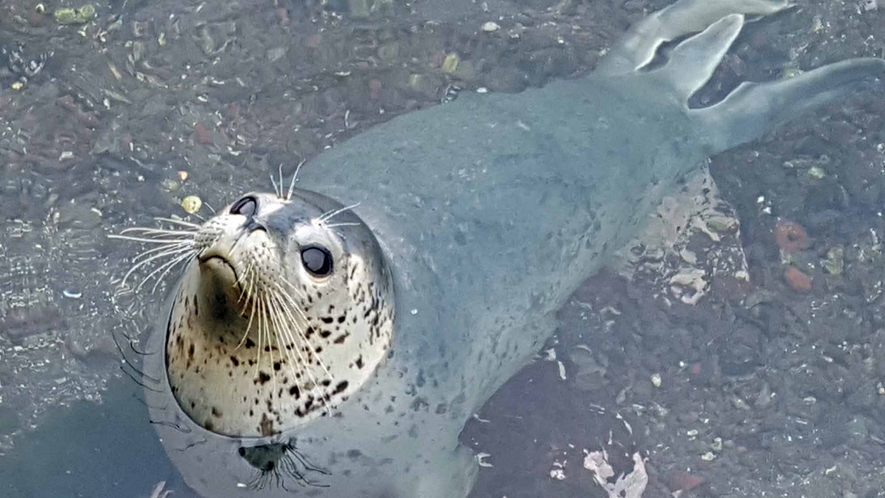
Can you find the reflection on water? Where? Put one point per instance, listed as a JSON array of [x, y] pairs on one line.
[[90, 450]]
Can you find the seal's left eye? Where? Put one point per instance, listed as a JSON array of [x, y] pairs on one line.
[[246, 206], [317, 261]]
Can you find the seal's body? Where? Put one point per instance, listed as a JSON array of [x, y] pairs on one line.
[[486, 213]]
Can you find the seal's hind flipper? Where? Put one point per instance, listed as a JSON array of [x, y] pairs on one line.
[[752, 109], [684, 17], [692, 62]]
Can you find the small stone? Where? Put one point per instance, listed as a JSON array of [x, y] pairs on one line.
[[490, 27], [656, 380], [450, 63], [817, 172], [835, 263], [191, 204], [797, 280]]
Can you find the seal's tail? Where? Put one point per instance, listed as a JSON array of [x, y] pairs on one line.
[[754, 108], [640, 46]]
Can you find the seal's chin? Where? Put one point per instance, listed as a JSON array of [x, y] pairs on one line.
[[219, 283]]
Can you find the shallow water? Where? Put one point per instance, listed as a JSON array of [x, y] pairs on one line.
[[87, 153]]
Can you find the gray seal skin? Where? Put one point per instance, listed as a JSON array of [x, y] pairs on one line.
[[485, 214]]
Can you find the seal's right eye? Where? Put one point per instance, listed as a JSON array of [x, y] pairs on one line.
[[246, 206], [317, 261]]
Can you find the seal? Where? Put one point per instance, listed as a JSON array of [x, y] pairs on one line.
[[341, 333], [284, 313]]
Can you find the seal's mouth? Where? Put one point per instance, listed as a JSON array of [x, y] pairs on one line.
[[220, 266]]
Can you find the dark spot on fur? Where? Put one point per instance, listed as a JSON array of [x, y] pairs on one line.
[[216, 412], [340, 339], [209, 425], [359, 362], [196, 307], [276, 366], [327, 319], [262, 378], [266, 425], [342, 318], [325, 334], [249, 344], [190, 352], [234, 361], [340, 387], [294, 391]]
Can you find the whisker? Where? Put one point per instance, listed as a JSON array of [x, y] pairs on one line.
[[164, 268], [171, 247], [277, 190], [335, 212], [179, 222], [288, 304], [251, 313], [345, 224], [294, 179], [148, 240], [296, 290], [302, 361], [262, 319], [169, 268], [166, 253]]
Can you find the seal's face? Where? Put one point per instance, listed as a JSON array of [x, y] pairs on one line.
[[285, 311]]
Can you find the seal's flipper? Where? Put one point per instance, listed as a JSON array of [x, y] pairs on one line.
[[754, 108], [692, 62], [685, 17]]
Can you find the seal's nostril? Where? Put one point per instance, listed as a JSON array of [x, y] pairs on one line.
[[245, 206]]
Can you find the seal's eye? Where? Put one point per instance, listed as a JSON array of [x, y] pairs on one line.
[[246, 206], [317, 260]]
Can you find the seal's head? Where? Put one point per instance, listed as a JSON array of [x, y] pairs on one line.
[[283, 313]]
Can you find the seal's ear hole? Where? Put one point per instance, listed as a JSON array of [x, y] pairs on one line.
[[317, 260], [241, 451], [245, 206]]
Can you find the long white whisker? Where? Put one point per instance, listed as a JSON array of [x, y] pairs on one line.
[[260, 304], [292, 305], [251, 301], [179, 222], [305, 362], [294, 179], [149, 240], [270, 335], [296, 290], [169, 268], [172, 247], [282, 336], [277, 190], [167, 252], [331, 214], [291, 301], [345, 224], [163, 267]]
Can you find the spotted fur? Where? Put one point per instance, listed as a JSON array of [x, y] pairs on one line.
[[256, 345]]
